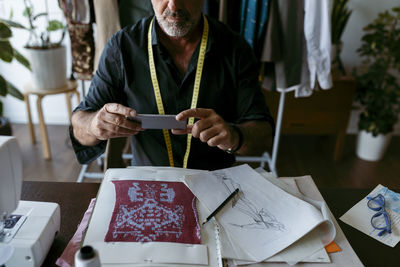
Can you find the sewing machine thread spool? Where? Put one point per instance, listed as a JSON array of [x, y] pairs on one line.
[[87, 257]]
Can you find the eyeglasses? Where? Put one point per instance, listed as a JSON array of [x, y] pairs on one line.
[[380, 220]]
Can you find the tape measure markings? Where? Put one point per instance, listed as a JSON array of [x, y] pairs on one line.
[[196, 89]]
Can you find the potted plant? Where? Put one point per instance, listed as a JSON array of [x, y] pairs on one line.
[[340, 14], [8, 54], [47, 56], [378, 89]]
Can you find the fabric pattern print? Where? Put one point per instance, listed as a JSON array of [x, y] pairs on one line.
[[148, 211]]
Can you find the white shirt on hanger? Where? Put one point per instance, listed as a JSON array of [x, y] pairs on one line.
[[316, 63], [317, 33]]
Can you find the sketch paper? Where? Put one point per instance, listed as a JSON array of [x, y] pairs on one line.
[[359, 216], [302, 249], [145, 253], [309, 248], [327, 226], [299, 251], [262, 219]]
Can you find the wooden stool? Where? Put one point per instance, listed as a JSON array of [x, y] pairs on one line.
[[68, 89]]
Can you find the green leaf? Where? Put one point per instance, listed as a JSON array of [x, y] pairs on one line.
[[6, 51], [5, 31], [12, 90], [27, 12], [21, 59], [1, 109], [54, 25], [8, 88], [3, 86], [14, 24], [11, 14], [339, 17]]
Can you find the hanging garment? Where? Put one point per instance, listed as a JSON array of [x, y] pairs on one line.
[[283, 44], [273, 44], [229, 12], [317, 47], [253, 19], [272, 47], [131, 12], [79, 18], [211, 8], [108, 23], [223, 11], [304, 32], [317, 32], [232, 14]]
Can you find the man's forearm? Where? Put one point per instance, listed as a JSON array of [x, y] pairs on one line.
[[257, 138], [81, 121]]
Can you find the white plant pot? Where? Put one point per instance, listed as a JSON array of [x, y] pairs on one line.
[[49, 68], [372, 148]]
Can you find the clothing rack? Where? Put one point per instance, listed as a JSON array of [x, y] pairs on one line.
[[266, 158]]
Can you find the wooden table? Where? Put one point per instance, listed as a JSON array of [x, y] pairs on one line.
[[29, 89], [74, 198], [370, 251]]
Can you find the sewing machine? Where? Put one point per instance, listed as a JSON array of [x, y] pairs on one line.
[[27, 228]]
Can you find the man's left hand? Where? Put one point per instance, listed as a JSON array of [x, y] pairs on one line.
[[210, 128]]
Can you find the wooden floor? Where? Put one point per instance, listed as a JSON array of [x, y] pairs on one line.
[[298, 155], [63, 167]]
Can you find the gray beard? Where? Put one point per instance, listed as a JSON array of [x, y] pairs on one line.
[[175, 29]]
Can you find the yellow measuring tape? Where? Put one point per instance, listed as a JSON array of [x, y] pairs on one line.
[[160, 106]]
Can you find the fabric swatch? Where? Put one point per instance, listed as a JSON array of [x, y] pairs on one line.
[[147, 211], [67, 257]]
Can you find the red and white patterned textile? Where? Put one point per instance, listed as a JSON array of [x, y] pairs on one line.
[[147, 211]]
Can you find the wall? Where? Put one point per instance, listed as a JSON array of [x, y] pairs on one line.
[[364, 11], [54, 107]]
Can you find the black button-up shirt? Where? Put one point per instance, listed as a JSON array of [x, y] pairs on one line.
[[229, 85]]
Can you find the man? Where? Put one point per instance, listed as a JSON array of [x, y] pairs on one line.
[[194, 67]]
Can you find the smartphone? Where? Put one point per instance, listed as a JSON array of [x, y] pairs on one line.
[[156, 121]]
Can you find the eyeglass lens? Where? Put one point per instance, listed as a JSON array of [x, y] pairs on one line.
[[380, 220]]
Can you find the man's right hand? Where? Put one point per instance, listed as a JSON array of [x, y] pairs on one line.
[[109, 122]]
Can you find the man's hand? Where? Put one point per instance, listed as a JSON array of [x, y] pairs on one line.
[[109, 122], [210, 128]]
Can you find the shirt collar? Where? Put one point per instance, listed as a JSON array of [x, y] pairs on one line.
[[154, 37]]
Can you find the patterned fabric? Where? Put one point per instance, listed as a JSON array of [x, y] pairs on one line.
[[79, 18], [67, 257], [253, 18], [82, 46], [147, 211]]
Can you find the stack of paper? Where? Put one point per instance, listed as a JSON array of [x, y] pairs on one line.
[[267, 221], [265, 218]]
